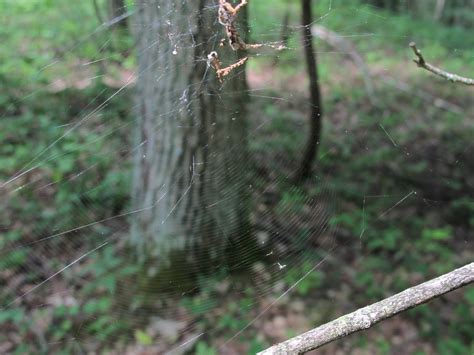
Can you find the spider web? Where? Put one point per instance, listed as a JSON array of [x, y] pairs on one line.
[[67, 210]]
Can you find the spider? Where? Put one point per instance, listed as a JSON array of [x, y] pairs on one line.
[[214, 61], [227, 15]]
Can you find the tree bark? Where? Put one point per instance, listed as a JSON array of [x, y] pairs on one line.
[[189, 181], [315, 95], [366, 317]]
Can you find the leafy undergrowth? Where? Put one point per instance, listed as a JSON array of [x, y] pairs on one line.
[[400, 168], [400, 172]]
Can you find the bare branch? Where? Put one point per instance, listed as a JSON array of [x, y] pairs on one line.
[[366, 317], [420, 61], [347, 47]]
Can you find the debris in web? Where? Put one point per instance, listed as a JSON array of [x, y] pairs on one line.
[[227, 15]]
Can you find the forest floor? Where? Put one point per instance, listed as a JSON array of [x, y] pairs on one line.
[[393, 187]]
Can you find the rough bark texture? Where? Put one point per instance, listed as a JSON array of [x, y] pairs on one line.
[[315, 95], [366, 317], [191, 134]]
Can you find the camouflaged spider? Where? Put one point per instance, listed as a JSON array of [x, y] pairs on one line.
[[214, 61], [227, 15]]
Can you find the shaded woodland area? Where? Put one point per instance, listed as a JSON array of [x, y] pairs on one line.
[[217, 177]]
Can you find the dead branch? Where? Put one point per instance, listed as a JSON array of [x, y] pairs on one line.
[[420, 61], [227, 15], [347, 47], [366, 317]]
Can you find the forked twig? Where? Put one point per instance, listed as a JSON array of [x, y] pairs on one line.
[[227, 15], [420, 61]]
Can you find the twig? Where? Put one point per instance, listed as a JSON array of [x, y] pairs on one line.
[[420, 61], [366, 317], [227, 15]]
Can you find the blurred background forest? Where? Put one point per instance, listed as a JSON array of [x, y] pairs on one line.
[[389, 204]]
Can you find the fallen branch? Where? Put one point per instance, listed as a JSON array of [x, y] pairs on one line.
[[420, 61], [366, 317]]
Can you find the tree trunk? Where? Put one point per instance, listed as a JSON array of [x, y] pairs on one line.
[[439, 9], [315, 96], [189, 180], [117, 11]]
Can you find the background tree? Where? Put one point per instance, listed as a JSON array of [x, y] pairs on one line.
[[187, 131], [315, 94], [366, 317], [456, 12], [390, 204], [117, 10]]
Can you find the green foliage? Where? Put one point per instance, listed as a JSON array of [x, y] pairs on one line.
[[203, 349], [453, 346], [383, 346], [15, 315], [256, 346], [292, 200], [198, 306], [143, 338], [372, 173], [45, 41], [313, 281]]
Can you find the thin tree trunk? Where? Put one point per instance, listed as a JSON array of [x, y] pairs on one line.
[[98, 14], [191, 136], [118, 9], [378, 3], [315, 95], [439, 9]]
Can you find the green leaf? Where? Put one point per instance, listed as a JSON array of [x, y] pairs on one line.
[[143, 338], [203, 349], [469, 295]]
